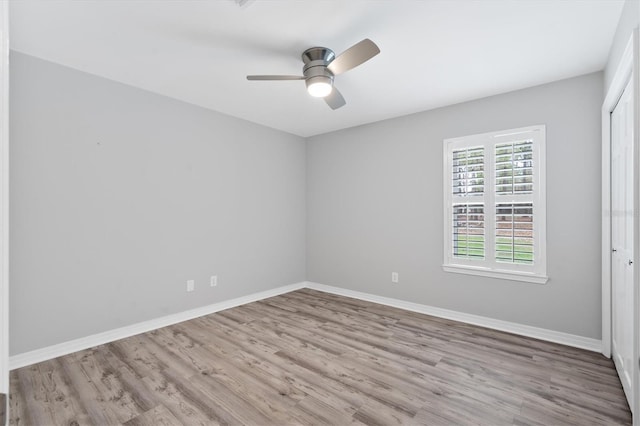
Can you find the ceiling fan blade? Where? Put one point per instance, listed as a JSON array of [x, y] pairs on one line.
[[335, 99], [275, 77], [357, 54]]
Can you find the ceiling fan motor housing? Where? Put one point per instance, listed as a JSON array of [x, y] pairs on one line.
[[316, 60]]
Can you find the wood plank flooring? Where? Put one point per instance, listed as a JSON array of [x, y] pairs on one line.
[[313, 358], [3, 408]]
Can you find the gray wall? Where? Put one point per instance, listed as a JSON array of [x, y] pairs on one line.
[[629, 20], [374, 205], [118, 196]]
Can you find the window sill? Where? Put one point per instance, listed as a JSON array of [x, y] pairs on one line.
[[495, 273]]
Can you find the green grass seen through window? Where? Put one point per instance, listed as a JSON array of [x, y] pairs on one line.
[[520, 251]]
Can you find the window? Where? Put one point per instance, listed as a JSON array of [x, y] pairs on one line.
[[495, 214]]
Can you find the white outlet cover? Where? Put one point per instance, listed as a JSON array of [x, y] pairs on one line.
[[191, 285], [214, 280]]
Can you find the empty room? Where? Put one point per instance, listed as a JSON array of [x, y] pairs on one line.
[[322, 212]]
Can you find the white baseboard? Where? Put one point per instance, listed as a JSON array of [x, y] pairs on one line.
[[510, 327], [50, 352]]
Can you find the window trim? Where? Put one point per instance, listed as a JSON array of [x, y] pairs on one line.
[[536, 273]]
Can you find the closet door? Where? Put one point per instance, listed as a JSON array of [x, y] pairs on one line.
[[622, 211]]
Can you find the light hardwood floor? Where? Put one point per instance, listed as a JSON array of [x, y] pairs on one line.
[[309, 357]]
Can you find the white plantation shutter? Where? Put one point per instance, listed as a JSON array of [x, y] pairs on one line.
[[513, 169], [468, 231], [467, 183], [468, 171], [514, 233], [494, 204]]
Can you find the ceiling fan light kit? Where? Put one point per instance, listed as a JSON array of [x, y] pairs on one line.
[[320, 67], [318, 78], [319, 87]]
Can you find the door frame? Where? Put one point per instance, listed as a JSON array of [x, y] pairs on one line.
[[4, 197], [627, 69]]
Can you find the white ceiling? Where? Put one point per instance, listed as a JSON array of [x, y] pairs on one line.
[[433, 53]]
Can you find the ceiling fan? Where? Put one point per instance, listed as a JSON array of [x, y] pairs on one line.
[[321, 65]]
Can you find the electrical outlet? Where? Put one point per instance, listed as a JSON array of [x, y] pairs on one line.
[[395, 278], [214, 280], [191, 285]]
